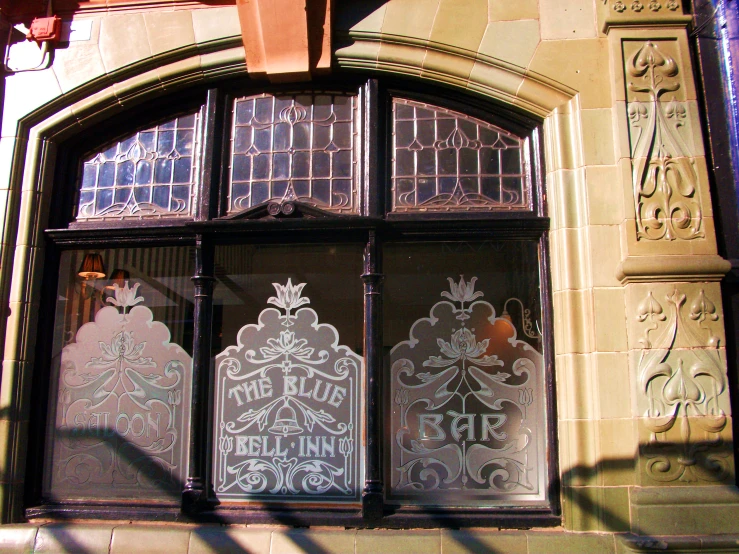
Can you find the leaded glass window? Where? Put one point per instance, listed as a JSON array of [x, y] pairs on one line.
[[150, 174], [294, 147], [446, 161]]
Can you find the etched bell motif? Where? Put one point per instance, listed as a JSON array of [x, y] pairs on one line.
[[286, 422]]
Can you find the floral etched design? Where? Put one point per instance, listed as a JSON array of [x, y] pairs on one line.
[[287, 407], [463, 425]]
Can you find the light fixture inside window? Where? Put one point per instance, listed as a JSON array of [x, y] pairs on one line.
[[92, 267], [119, 277]]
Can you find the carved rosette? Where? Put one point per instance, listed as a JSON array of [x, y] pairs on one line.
[[681, 380], [666, 198]]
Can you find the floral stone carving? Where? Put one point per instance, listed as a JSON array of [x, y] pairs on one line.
[[682, 386], [122, 404], [468, 415], [666, 200], [287, 408]]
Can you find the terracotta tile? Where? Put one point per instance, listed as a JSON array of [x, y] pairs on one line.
[[164, 540], [578, 452], [581, 507], [570, 257], [397, 542], [482, 542], [410, 18], [214, 23], [497, 82], [577, 64], [169, 30], [566, 19], [25, 92], [618, 450], [567, 198], [460, 23], [605, 254], [17, 538], [510, 11], [368, 18], [597, 136], [212, 540], [604, 195], [74, 538], [572, 543], [443, 65], [401, 54], [613, 385], [575, 385], [616, 511], [308, 540], [123, 40], [573, 312], [610, 319], [512, 41]]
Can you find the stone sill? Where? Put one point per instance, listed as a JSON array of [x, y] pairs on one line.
[[201, 539]]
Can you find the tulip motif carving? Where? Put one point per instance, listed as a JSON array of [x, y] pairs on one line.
[[666, 199], [682, 387]]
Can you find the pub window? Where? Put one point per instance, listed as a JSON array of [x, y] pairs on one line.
[[331, 304]]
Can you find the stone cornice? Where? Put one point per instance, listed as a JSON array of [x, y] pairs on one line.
[[641, 13], [647, 269]]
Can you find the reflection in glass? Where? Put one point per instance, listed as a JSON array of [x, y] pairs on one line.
[[447, 161], [121, 379], [288, 383], [149, 174], [465, 375], [294, 147]]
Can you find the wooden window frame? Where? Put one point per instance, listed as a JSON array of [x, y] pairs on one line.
[[372, 227]]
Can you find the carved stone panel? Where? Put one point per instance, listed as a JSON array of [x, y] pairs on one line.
[[682, 397], [122, 409], [287, 408], [468, 407], [667, 198]]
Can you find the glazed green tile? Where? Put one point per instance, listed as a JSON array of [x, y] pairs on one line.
[[410, 18], [581, 508], [158, 540], [482, 542], [214, 23], [225, 540], [76, 537], [308, 540], [570, 543], [78, 63], [615, 512], [397, 542], [17, 538], [460, 23], [169, 30], [443, 65], [123, 40]]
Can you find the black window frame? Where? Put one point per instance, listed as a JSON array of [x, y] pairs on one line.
[[372, 227]]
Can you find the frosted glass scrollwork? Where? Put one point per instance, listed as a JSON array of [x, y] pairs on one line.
[[468, 408], [122, 407], [150, 174], [287, 408]]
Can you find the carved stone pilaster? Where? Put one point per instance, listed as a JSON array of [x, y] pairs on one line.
[[676, 340]]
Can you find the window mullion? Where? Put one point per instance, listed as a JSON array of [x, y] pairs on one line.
[[372, 494], [212, 139], [194, 493]]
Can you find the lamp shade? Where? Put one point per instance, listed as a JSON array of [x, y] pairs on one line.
[[92, 267], [120, 276]]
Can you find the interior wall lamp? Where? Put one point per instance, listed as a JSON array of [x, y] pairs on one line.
[[92, 267]]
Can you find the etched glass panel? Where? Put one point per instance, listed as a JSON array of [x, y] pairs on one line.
[[121, 379], [151, 174], [294, 147], [444, 161], [465, 375], [288, 382]]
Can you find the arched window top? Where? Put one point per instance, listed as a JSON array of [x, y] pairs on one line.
[[149, 174], [294, 147], [445, 161]]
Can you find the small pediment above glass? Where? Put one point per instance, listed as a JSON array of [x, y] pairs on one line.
[[151, 174]]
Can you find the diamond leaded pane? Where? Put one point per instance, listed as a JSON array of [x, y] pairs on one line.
[[294, 147], [444, 161], [150, 174]]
